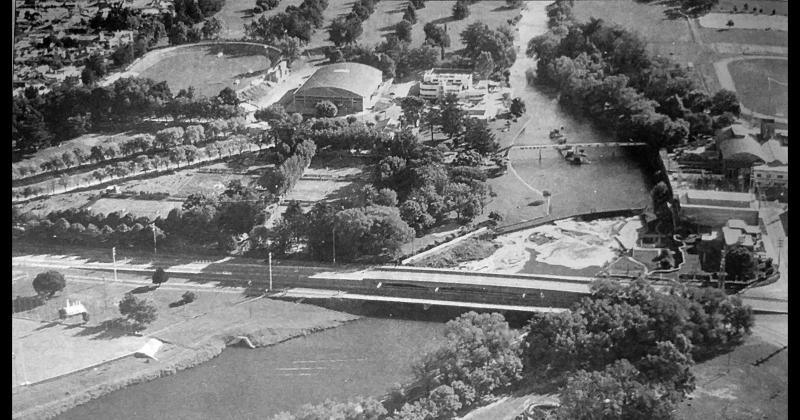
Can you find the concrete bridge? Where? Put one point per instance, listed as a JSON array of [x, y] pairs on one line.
[[579, 145], [442, 287]]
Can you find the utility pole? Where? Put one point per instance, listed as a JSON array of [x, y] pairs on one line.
[[155, 248], [114, 257], [333, 230]]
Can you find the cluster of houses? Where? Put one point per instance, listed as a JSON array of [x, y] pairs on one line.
[[40, 62], [740, 158]]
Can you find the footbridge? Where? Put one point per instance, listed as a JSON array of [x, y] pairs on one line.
[[579, 145]]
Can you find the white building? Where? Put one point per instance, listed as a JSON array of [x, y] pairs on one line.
[[439, 82]]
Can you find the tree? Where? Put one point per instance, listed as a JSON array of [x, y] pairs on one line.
[[410, 14], [436, 35], [228, 97], [268, 4], [123, 55], [730, 23], [740, 264], [326, 109], [412, 107], [479, 137], [460, 10], [725, 101], [49, 283], [356, 409], [615, 392], [68, 159], [480, 352], [418, 4], [211, 28], [514, 3], [517, 107], [271, 113], [484, 65], [178, 34], [160, 276], [139, 312], [345, 30], [403, 30], [452, 116]]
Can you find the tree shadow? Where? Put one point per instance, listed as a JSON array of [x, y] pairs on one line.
[[442, 20], [177, 304], [143, 289], [48, 325], [387, 28], [502, 8], [26, 303], [106, 330]]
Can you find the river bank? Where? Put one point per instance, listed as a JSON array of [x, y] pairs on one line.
[[49, 398]]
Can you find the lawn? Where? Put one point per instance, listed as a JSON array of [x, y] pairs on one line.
[[203, 68], [781, 7], [182, 184], [731, 386], [236, 13], [389, 12], [753, 88]]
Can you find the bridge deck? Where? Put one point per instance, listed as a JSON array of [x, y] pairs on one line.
[[302, 293], [471, 279], [586, 145]]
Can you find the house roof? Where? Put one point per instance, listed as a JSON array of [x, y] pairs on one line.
[[359, 79], [741, 149], [774, 150]]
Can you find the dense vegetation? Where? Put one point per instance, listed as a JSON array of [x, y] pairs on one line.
[[70, 110], [623, 352], [604, 72]]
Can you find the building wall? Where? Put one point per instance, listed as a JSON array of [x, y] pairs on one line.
[[306, 104], [714, 216], [763, 178]]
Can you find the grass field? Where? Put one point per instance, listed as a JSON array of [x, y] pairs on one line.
[[390, 12], [781, 7], [202, 68], [182, 184], [753, 88], [236, 13]]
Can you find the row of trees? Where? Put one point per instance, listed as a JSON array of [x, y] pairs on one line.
[[70, 110], [345, 30], [605, 72], [200, 221], [192, 135]]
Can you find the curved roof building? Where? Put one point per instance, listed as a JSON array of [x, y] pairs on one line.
[[352, 87]]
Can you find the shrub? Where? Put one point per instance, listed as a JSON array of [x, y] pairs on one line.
[[326, 109], [189, 297], [48, 283]]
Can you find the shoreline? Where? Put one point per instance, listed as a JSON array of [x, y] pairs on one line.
[[179, 358]]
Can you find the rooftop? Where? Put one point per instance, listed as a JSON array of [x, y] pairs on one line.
[[357, 78]]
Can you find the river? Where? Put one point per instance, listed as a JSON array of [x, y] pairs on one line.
[[364, 357]]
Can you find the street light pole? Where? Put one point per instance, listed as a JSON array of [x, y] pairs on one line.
[[114, 257], [269, 261], [333, 231], [155, 248]]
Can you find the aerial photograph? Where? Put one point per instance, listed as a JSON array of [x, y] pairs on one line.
[[400, 209]]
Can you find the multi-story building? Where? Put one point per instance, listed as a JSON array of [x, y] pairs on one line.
[[438, 82]]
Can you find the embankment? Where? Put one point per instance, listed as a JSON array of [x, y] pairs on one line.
[[48, 399]]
